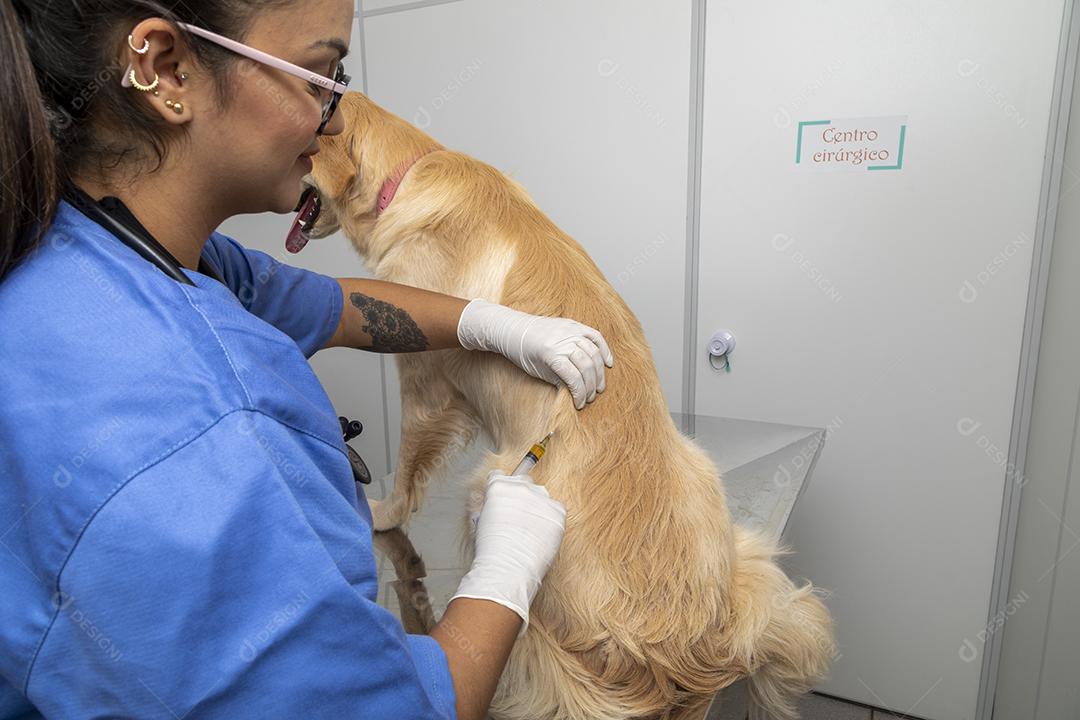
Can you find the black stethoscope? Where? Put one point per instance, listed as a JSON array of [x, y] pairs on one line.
[[111, 214]]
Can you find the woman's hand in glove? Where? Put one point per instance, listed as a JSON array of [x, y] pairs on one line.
[[518, 533], [552, 349]]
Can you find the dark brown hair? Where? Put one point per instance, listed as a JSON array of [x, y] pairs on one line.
[[60, 84]]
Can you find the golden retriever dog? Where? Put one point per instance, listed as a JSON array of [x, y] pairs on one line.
[[656, 599]]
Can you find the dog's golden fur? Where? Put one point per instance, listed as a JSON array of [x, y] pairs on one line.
[[656, 599]]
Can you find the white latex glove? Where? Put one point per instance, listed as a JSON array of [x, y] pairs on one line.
[[519, 530], [552, 349]]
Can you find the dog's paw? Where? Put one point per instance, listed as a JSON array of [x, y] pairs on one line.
[[383, 515]]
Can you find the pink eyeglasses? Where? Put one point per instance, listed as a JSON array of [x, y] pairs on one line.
[[338, 85]]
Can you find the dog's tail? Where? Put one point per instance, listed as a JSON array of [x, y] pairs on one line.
[[784, 629]]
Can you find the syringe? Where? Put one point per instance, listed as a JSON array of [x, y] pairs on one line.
[[523, 468], [532, 457]]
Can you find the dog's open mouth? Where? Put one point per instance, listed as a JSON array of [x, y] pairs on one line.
[[307, 212]]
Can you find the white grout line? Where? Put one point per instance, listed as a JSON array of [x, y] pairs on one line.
[[693, 211], [363, 45], [382, 357]]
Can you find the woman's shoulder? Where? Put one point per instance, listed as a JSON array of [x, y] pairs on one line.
[[96, 312], [103, 351]]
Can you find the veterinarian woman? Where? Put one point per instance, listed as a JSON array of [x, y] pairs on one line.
[[181, 535]]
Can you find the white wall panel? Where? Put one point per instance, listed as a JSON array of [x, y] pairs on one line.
[[585, 104], [843, 290]]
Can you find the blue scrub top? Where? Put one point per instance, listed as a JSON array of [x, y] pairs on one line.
[[181, 534]]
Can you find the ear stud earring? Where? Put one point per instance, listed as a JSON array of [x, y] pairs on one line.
[[176, 107]]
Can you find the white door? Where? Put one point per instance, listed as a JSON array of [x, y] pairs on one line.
[[887, 306]]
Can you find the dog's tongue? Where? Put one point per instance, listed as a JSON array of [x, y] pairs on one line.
[[298, 234]]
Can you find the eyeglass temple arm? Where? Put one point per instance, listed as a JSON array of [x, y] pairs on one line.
[[257, 55]]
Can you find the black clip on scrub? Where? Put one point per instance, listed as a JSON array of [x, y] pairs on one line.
[[350, 429]]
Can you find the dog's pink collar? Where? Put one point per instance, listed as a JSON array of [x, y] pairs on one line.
[[390, 187]]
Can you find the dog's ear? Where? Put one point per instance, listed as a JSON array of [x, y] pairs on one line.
[[338, 170], [337, 165]]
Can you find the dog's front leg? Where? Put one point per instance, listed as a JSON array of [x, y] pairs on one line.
[[436, 424]]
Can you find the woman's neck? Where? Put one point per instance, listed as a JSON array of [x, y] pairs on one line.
[[178, 215]]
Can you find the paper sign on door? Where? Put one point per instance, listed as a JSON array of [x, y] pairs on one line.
[[851, 144]]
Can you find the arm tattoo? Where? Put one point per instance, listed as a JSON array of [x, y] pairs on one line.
[[392, 330]]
